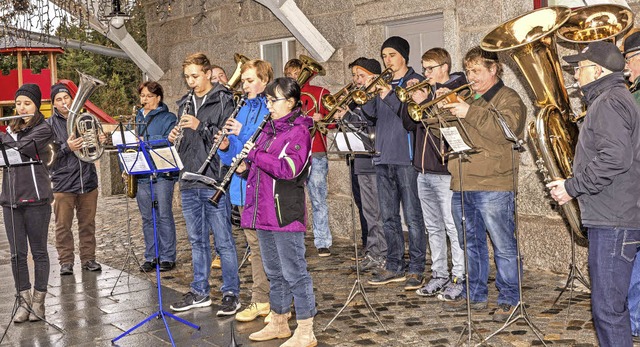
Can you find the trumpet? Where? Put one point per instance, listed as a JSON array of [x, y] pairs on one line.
[[361, 97], [416, 111], [331, 100], [404, 94]]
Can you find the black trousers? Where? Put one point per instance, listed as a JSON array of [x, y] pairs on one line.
[[28, 224]]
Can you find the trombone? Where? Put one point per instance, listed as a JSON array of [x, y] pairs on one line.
[[404, 94], [431, 108]]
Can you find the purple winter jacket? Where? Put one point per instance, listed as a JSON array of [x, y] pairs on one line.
[[278, 168]]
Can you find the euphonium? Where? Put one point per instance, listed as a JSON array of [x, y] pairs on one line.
[[404, 94], [310, 68], [530, 40], [431, 108], [361, 97], [236, 77], [85, 125]]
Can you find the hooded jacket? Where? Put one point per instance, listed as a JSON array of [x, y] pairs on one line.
[[250, 116], [196, 144], [278, 169], [606, 165], [392, 140], [427, 158], [69, 174], [490, 168], [156, 125], [30, 184]]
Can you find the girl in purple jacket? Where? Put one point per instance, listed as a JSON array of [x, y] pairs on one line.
[[275, 206]]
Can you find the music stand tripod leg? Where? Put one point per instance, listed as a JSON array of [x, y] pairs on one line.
[[574, 273]]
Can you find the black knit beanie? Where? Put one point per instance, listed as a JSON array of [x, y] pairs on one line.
[[59, 88], [31, 91], [371, 65], [399, 44]]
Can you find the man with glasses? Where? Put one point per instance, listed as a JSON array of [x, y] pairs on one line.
[[632, 60], [606, 168], [210, 107], [395, 175], [488, 176], [434, 180]]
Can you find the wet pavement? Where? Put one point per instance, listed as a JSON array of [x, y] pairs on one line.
[[91, 314]]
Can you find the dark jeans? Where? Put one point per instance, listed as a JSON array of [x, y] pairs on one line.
[[398, 183], [165, 224], [28, 224], [611, 255]]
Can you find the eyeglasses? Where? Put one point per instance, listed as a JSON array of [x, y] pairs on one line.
[[429, 69], [577, 68], [628, 59], [271, 101], [142, 96]]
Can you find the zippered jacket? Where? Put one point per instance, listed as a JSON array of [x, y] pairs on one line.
[[69, 174], [278, 169], [393, 142], [250, 116], [606, 165], [196, 144], [28, 184]]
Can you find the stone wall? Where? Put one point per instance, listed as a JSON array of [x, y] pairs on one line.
[[356, 28]]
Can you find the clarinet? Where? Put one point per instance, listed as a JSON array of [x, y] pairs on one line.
[[185, 110], [221, 188]]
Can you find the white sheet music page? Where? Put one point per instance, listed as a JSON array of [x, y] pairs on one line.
[[454, 139], [163, 158], [134, 162], [355, 143], [13, 155], [129, 137]]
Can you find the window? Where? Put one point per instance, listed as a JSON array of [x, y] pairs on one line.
[[278, 52], [422, 33]]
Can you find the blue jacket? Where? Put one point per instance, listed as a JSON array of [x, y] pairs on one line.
[[278, 169], [160, 127], [250, 116], [393, 141]]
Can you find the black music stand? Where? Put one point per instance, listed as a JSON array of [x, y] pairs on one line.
[[119, 132], [153, 157], [348, 140], [11, 156], [574, 274], [519, 311]]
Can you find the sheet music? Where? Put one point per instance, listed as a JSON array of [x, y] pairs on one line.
[[354, 142], [454, 139], [13, 155], [134, 162], [129, 137], [166, 158]]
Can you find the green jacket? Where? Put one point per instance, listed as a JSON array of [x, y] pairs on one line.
[[490, 168], [635, 89]]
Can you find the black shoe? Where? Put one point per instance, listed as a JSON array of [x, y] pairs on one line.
[[167, 265], [414, 281], [324, 252], [636, 339], [91, 265], [503, 312], [230, 305], [460, 304], [66, 269], [191, 300], [148, 266], [386, 276]]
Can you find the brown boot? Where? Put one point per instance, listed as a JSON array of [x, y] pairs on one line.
[[278, 328], [303, 336], [37, 306], [22, 314]]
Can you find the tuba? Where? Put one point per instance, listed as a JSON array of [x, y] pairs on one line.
[[85, 125], [236, 77], [530, 40]]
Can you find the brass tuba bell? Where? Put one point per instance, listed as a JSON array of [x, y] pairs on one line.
[[85, 125]]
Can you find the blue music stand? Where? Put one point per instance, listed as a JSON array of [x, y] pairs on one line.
[[156, 163]]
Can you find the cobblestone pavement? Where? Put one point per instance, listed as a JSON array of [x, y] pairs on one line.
[[410, 319]]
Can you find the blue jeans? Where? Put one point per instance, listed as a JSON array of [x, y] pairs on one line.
[[165, 225], [611, 255], [200, 216], [317, 188], [398, 183], [489, 211], [286, 268], [435, 198], [634, 297]]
